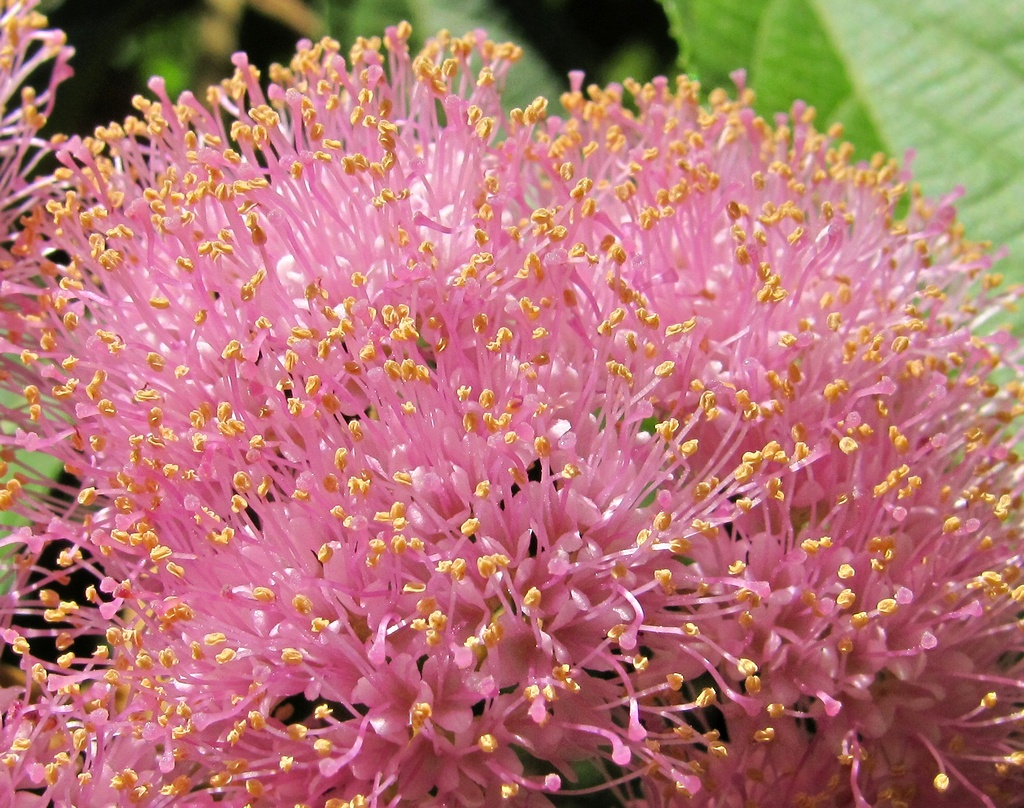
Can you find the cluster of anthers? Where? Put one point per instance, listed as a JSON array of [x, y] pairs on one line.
[[419, 452]]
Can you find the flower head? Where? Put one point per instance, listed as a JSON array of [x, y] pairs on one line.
[[428, 451]]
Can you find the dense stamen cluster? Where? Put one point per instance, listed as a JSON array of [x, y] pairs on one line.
[[30, 719], [428, 451]]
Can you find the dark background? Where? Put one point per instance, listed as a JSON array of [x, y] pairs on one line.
[[119, 44]]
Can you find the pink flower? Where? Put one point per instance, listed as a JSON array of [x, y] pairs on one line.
[[33, 727], [428, 452]]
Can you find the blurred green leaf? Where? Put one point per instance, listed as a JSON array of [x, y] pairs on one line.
[[723, 37], [170, 50], [678, 29], [941, 77], [529, 78], [348, 19], [633, 60]]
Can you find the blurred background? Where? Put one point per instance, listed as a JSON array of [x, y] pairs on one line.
[[120, 43]]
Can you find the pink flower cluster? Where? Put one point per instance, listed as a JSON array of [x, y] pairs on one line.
[[426, 453]]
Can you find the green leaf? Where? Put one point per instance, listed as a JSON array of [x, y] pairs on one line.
[[722, 35], [794, 58]]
